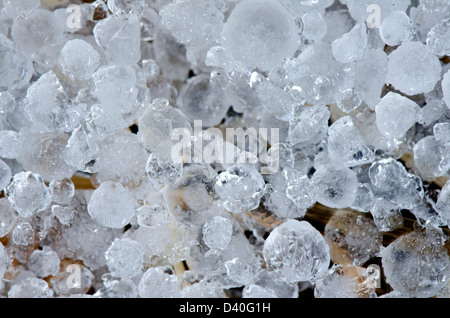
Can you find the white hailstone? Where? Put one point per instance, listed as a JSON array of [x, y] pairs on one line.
[[78, 60], [7, 102], [240, 187], [111, 205], [125, 8], [314, 26], [396, 28], [158, 282], [151, 216], [351, 46], [10, 144], [44, 263], [125, 258], [422, 78], [272, 35], [65, 214], [162, 170], [62, 190], [217, 232], [396, 114], [438, 39], [295, 251], [30, 288], [28, 194], [23, 234], [219, 57]]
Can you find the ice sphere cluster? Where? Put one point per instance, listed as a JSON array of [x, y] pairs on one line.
[[245, 149]]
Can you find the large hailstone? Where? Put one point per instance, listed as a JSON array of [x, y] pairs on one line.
[[260, 33], [295, 251], [413, 69], [416, 265], [125, 258], [111, 205]]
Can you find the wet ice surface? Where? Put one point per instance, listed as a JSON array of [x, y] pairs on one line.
[[196, 148]]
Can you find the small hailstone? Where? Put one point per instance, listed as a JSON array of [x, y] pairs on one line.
[[162, 170], [5, 174], [217, 232], [273, 34], [441, 132], [127, 36], [412, 69], [396, 114], [219, 57], [151, 216], [7, 102], [158, 282], [20, 9], [335, 187], [30, 288], [300, 189], [125, 258], [78, 60], [348, 100], [314, 26], [429, 158], [125, 8], [295, 251], [438, 40], [10, 144], [351, 46], [151, 69], [17, 69], [396, 28], [23, 234], [111, 205], [336, 284], [62, 190], [310, 126], [78, 149], [65, 214], [416, 265], [241, 188], [446, 88], [44, 263], [346, 145], [239, 271], [7, 217], [256, 291], [387, 216], [364, 198], [356, 234], [28, 194]]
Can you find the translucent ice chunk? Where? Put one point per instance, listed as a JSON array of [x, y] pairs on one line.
[[310, 126], [396, 114], [78, 60], [396, 28], [30, 288], [62, 190], [352, 238], [202, 99], [300, 189], [295, 251], [272, 35], [438, 40], [351, 46], [241, 188], [47, 103], [66, 214], [23, 234], [219, 57], [127, 36], [430, 158], [364, 198], [8, 217], [28, 194], [7, 102], [111, 205], [255, 291], [348, 100], [125, 8], [44, 263], [336, 187], [314, 26], [386, 215], [217, 232], [151, 216], [416, 265], [422, 78], [441, 132], [336, 284], [125, 258], [346, 145], [78, 150], [158, 282], [443, 202], [162, 170], [240, 271], [16, 68], [10, 144]]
